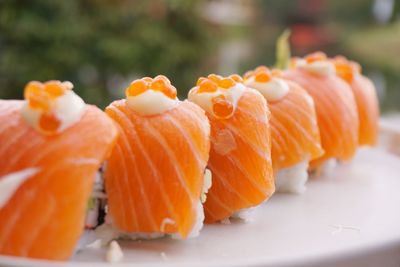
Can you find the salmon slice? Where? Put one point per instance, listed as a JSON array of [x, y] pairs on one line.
[[366, 99], [294, 128], [335, 106], [44, 217], [154, 177], [240, 155]]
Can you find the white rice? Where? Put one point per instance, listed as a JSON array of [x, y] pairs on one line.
[[245, 215], [292, 179], [114, 252]]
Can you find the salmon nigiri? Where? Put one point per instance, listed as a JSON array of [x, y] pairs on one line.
[[52, 145], [240, 155], [154, 177], [365, 96], [334, 104], [294, 128]]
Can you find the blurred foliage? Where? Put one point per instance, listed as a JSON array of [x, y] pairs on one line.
[[100, 45]]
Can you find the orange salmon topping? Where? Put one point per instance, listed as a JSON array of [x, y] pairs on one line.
[[214, 77], [236, 78], [346, 68], [262, 74], [136, 88], [200, 80], [213, 82], [222, 108], [40, 95], [345, 71], [316, 56], [226, 83], [48, 122], [32, 88], [160, 83], [263, 77], [54, 89], [207, 86]]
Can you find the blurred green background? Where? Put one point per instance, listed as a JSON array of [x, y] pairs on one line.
[[102, 45]]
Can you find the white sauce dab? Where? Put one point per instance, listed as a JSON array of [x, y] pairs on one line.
[[320, 67], [151, 102], [10, 183], [272, 90], [204, 100]]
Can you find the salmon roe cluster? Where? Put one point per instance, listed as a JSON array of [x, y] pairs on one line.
[[160, 83], [262, 74], [41, 96], [213, 81], [221, 106], [310, 58], [346, 68]]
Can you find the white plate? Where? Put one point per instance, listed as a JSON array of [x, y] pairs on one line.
[[348, 218]]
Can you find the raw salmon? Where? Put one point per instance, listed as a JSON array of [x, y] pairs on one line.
[[365, 96], [294, 128], [334, 103], [240, 155], [154, 177], [44, 216]]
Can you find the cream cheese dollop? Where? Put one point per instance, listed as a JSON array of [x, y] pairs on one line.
[[151, 102], [67, 108], [319, 67], [10, 183], [273, 90], [204, 100]]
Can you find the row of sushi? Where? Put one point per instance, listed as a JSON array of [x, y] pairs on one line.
[[168, 165]]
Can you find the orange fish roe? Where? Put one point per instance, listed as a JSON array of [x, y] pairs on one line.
[[262, 77], [222, 108], [200, 80], [32, 88], [214, 77], [160, 83], [136, 88], [54, 88], [263, 74], [213, 81], [39, 95], [344, 70], [236, 78], [207, 86], [316, 56], [48, 122], [226, 83]]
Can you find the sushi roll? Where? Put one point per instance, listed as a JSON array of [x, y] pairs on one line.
[[154, 177], [365, 96], [294, 129], [335, 106], [240, 155], [52, 145]]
